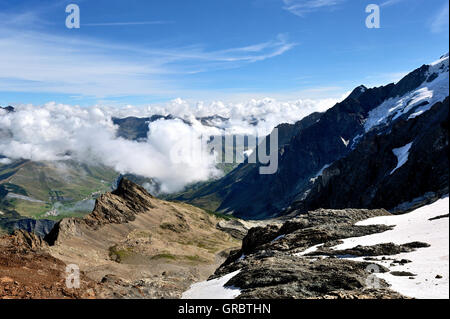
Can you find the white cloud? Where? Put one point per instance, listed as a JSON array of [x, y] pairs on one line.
[[301, 7], [112, 24], [390, 3], [55, 132], [5, 161], [440, 20]]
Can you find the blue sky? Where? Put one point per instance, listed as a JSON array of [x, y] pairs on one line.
[[140, 52]]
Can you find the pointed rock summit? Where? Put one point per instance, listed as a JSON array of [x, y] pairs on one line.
[[120, 206]]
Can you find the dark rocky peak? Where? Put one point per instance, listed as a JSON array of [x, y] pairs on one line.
[[356, 93], [120, 206], [8, 109], [410, 81], [362, 100], [287, 131], [128, 190]]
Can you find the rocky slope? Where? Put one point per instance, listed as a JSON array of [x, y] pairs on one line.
[[131, 246], [28, 271], [347, 135], [139, 246], [282, 261]]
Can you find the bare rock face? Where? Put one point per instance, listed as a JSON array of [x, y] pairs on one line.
[[28, 241], [234, 227], [287, 276], [120, 206], [374, 250], [258, 236]]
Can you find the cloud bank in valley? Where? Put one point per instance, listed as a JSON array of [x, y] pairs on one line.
[[56, 132]]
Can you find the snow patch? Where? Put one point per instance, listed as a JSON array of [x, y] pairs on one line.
[[402, 154], [427, 263], [308, 250], [213, 289], [345, 142], [247, 153]]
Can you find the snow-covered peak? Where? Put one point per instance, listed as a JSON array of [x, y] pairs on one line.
[[434, 89], [442, 60]]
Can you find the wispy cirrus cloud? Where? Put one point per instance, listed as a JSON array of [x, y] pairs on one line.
[[114, 24], [38, 60], [440, 19], [388, 3], [302, 7]]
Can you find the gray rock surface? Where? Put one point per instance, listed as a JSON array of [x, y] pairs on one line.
[[272, 262]]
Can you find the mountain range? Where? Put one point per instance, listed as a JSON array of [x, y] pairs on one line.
[[357, 209], [354, 145]]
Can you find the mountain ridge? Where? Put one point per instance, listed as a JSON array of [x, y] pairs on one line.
[[246, 194]]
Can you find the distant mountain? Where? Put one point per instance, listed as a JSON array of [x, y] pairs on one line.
[[7, 108], [346, 133], [49, 190], [137, 128]]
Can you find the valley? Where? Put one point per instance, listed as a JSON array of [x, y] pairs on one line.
[[357, 209]]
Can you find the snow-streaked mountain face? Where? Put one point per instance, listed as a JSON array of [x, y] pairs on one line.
[[434, 89], [356, 140]]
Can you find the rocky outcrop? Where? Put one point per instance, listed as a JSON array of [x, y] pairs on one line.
[[120, 206], [286, 276], [273, 262], [236, 228], [138, 246], [375, 250], [28, 241]]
